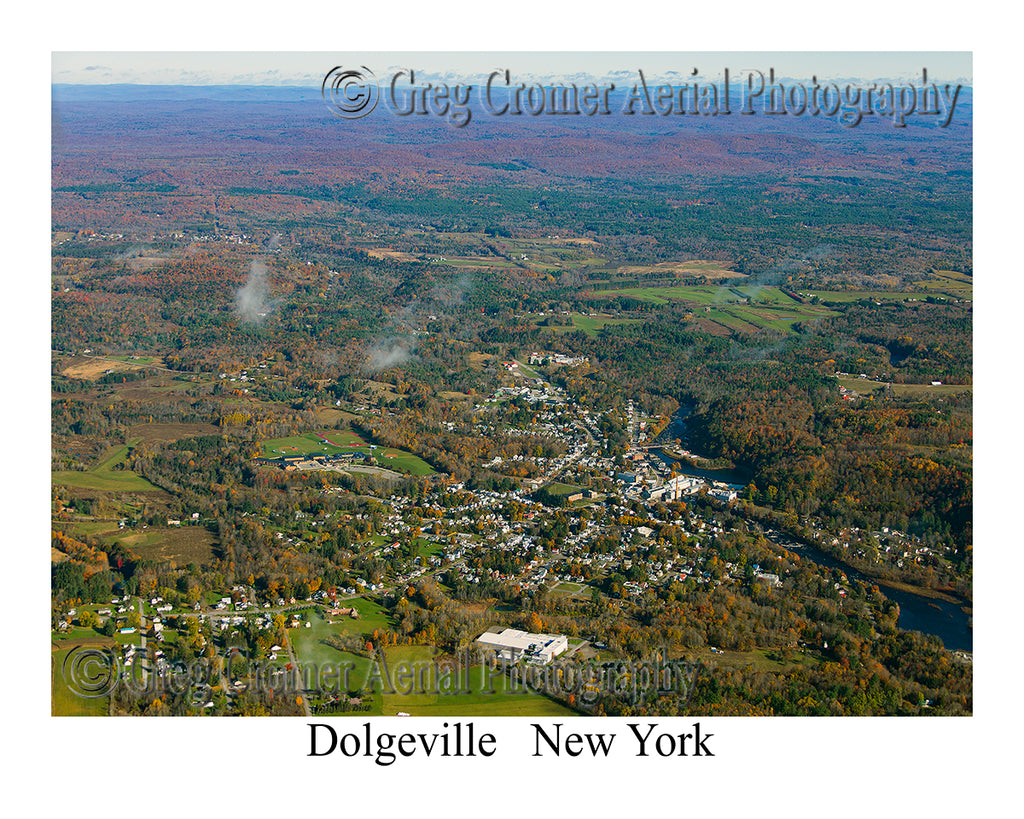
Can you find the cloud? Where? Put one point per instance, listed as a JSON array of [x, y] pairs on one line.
[[452, 293], [251, 301], [392, 351]]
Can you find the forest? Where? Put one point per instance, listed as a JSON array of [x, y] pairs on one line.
[[807, 305]]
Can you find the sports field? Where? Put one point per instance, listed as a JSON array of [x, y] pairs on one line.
[[333, 441]]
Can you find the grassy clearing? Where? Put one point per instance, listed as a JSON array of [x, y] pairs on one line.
[[591, 325], [761, 659], [165, 433], [332, 416], [182, 544], [103, 476], [310, 648], [80, 529], [866, 385], [688, 269], [844, 296], [562, 489], [472, 693], [90, 369], [63, 701]]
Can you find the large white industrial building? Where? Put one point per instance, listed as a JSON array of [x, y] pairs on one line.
[[512, 645]]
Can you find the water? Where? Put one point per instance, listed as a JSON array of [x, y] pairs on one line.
[[677, 428], [917, 613], [945, 620]]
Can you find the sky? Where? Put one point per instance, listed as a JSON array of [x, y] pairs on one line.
[[303, 68]]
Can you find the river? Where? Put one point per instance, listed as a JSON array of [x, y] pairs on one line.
[[945, 620], [678, 428], [917, 613]]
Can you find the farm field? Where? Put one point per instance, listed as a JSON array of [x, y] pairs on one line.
[[865, 385], [952, 283], [166, 433], [770, 308], [591, 325], [104, 477], [688, 269], [89, 368], [182, 544]]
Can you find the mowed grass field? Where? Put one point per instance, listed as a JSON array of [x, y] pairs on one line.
[[560, 489], [411, 673], [309, 642], [63, 701], [473, 693], [865, 385], [104, 477], [590, 325], [333, 441]]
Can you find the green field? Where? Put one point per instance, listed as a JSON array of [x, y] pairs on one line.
[[769, 307], [103, 477], [562, 489], [865, 385], [63, 701], [571, 589], [413, 695], [411, 673], [308, 642], [80, 529], [761, 659], [345, 441], [953, 284], [590, 325]]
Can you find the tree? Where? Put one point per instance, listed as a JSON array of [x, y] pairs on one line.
[[88, 618]]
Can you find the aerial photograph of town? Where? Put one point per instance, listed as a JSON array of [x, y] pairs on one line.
[[489, 385]]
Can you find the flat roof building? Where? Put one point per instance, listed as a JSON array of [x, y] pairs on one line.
[[513, 644]]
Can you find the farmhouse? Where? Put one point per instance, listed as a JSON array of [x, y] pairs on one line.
[[513, 644]]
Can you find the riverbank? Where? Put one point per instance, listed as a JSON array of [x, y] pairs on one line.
[[698, 461], [965, 604]]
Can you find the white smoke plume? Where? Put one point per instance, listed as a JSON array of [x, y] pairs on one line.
[[251, 301], [452, 293], [390, 352]]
